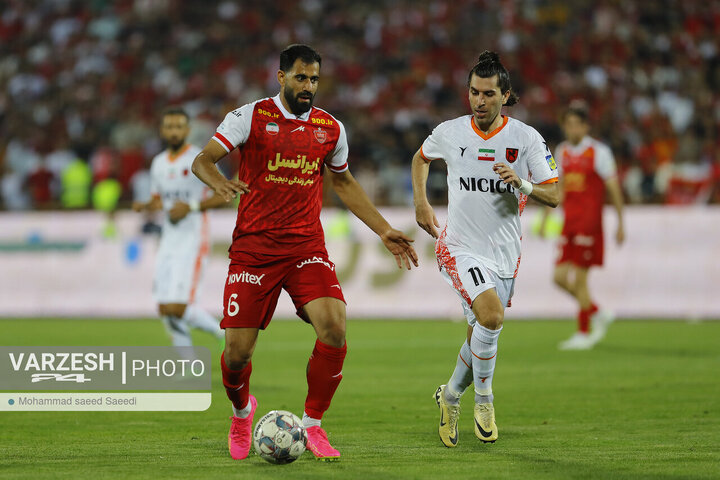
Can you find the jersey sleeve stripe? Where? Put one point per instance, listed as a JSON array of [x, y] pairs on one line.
[[422, 154], [549, 180], [218, 137], [339, 169]]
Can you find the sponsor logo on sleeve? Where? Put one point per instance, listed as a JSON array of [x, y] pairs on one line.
[[551, 162]]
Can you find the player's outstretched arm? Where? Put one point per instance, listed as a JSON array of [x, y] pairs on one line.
[[357, 201], [204, 168], [424, 214], [545, 193]]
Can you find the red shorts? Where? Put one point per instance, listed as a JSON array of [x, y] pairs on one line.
[[583, 250], [254, 283]]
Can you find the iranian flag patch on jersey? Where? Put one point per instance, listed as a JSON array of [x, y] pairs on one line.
[[487, 154]]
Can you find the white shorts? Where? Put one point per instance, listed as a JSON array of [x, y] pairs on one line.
[[178, 274], [469, 278]]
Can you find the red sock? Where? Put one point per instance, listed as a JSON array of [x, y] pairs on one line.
[[237, 383], [584, 318], [323, 376], [584, 321]]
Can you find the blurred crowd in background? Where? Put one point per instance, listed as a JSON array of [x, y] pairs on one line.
[[82, 84]]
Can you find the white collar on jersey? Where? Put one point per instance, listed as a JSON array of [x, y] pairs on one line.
[[289, 115]]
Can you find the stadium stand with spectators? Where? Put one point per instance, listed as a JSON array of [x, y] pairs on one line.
[[84, 82]]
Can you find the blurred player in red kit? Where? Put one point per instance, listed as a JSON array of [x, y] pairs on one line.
[[587, 169], [287, 147]]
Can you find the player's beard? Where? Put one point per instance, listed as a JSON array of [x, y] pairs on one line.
[[292, 100], [176, 145]]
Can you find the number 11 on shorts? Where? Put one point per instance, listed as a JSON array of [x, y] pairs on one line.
[[476, 274]]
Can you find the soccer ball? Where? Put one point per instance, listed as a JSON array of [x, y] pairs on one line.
[[280, 437]]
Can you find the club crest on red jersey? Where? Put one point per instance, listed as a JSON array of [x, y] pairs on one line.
[[511, 154], [272, 128], [320, 135]]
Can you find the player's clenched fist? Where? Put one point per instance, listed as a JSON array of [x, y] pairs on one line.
[[507, 174]]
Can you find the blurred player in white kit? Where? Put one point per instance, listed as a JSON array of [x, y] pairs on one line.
[[184, 246]]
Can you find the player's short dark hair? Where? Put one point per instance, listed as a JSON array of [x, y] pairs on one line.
[[174, 110], [489, 65], [297, 50], [579, 108]]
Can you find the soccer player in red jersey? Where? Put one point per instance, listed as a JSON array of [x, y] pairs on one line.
[[287, 147], [587, 170]]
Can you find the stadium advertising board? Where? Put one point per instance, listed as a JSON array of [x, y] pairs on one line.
[[61, 264]]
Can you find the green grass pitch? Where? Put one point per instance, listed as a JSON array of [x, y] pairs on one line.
[[645, 404]]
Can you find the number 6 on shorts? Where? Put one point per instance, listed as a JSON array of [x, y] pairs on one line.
[[232, 307]]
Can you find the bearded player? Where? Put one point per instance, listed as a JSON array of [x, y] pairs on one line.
[[588, 170], [494, 164], [287, 147], [183, 249]]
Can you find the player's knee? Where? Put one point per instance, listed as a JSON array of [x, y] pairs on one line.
[[335, 337], [492, 320], [333, 332], [560, 279], [563, 282], [236, 358]]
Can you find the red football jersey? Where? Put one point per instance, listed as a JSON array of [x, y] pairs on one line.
[[584, 169], [281, 159]]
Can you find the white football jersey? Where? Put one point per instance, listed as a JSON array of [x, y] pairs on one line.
[[171, 179], [483, 212]]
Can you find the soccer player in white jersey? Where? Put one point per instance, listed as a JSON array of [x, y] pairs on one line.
[[184, 245], [494, 163]]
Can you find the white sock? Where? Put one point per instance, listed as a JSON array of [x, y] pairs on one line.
[[309, 421], [484, 345], [199, 318], [179, 333], [462, 376], [244, 412], [178, 330]]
